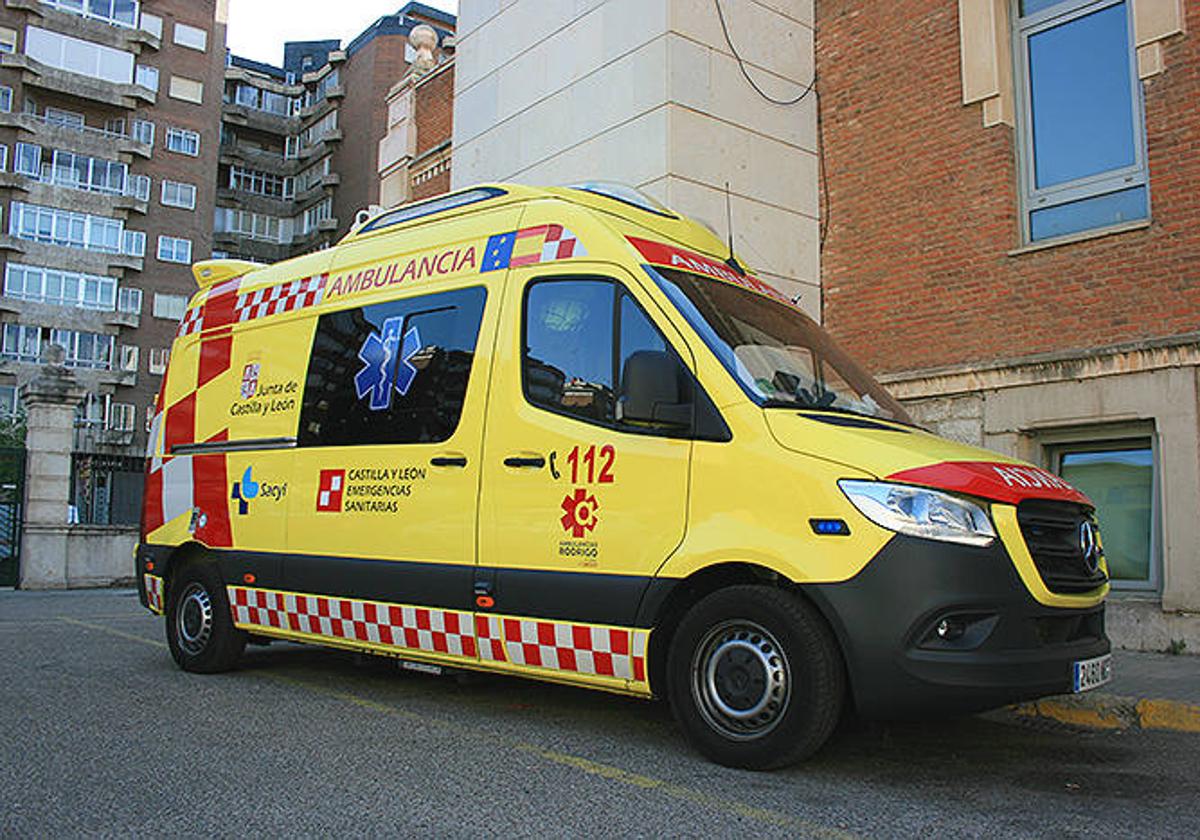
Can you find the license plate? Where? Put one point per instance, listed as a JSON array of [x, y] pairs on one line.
[[426, 668], [1091, 673]]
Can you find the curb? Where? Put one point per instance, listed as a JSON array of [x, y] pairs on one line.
[[1113, 712]]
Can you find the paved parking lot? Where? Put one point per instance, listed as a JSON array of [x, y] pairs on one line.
[[102, 735]]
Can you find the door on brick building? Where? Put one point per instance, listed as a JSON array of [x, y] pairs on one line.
[[12, 496]]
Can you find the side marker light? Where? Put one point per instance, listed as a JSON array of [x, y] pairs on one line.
[[485, 602], [248, 578], [829, 527]]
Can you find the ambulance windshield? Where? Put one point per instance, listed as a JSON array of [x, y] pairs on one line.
[[779, 355]]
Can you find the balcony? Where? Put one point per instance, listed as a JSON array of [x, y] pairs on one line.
[[50, 194], [89, 378], [318, 189], [304, 241], [323, 146], [323, 105], [37, 75], [71, 259], [258, 250], [271, 206], [66, 316], [240, 115], [239, 154], [94, 142], [98, 31]]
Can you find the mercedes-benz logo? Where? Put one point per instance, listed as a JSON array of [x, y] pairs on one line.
[[1089, 546]]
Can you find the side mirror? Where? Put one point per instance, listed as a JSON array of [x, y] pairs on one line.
[[653, 392]]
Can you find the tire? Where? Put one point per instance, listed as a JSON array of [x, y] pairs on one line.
[[755, 678], [200, 631]]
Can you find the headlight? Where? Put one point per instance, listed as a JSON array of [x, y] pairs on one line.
[[920, 512]]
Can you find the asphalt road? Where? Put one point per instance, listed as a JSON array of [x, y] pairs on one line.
[[102, 735]]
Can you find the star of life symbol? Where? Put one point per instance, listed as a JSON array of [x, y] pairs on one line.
[[580, 512], [385, 356], [250, 380]]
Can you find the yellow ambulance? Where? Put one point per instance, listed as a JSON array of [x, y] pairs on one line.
[[564, 434]]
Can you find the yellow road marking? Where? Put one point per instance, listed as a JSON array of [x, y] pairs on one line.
[[112, 632], [593, 768], [585, 765], [1169, 714]]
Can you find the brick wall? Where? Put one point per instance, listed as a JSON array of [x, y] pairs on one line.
[[435, 109], [923, 211], [367, 75]]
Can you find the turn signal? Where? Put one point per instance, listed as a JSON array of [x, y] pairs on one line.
[[248, 578], [149, 565], [485, 602]]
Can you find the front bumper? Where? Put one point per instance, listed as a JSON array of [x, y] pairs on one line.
[[1010, 647]]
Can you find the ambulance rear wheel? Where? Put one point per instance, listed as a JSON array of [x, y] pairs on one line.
[[755, 678], [200, 631]]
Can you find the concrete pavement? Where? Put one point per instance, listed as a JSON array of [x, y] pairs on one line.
[[104, 736], [1148, 691]]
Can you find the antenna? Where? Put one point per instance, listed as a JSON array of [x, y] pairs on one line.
[[732, 260]]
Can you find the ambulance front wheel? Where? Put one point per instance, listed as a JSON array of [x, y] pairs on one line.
[[200, 631], [755, 678]]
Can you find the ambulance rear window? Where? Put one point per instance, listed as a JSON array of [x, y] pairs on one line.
[[394, 372]]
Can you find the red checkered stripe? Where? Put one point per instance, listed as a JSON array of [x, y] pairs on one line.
[[154, 592], [285, 297], [489, 634], [561, 244], [393, 625], [577, 648], [192, 322]]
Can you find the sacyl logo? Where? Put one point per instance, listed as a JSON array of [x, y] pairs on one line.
[[248, 489], [244, 491]]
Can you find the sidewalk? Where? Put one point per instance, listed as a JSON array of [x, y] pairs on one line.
[[1148, 691]]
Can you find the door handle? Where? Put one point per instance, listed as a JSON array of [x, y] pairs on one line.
[[536, 462], [449, 461]]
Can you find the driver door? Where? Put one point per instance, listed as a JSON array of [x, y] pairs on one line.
[[580, 505]]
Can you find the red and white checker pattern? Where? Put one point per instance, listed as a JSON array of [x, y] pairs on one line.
[[285, 297], [561, 244], [154, 592], [192, 322], [489, 633], [415, 628], [578, 648]]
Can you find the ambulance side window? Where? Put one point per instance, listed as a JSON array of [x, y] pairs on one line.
[[392, 372], [591, 353], [568, 360]]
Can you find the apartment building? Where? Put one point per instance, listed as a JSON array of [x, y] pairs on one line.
[[1012, 240], [109, 112], [297, 140]]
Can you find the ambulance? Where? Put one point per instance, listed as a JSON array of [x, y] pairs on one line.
[[564, 434]]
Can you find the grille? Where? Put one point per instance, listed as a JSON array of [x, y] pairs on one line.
[[1051, 532]]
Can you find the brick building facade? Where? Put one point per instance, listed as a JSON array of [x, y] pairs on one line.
[[415, 153], [990, 250]]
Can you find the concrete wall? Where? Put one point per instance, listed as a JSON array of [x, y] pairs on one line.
[[648, 92], [95, 555]]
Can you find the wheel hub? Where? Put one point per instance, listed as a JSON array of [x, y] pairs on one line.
[[194, 619], [740, 680]]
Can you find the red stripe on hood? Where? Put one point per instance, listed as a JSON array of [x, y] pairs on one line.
[[1010, 483]]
